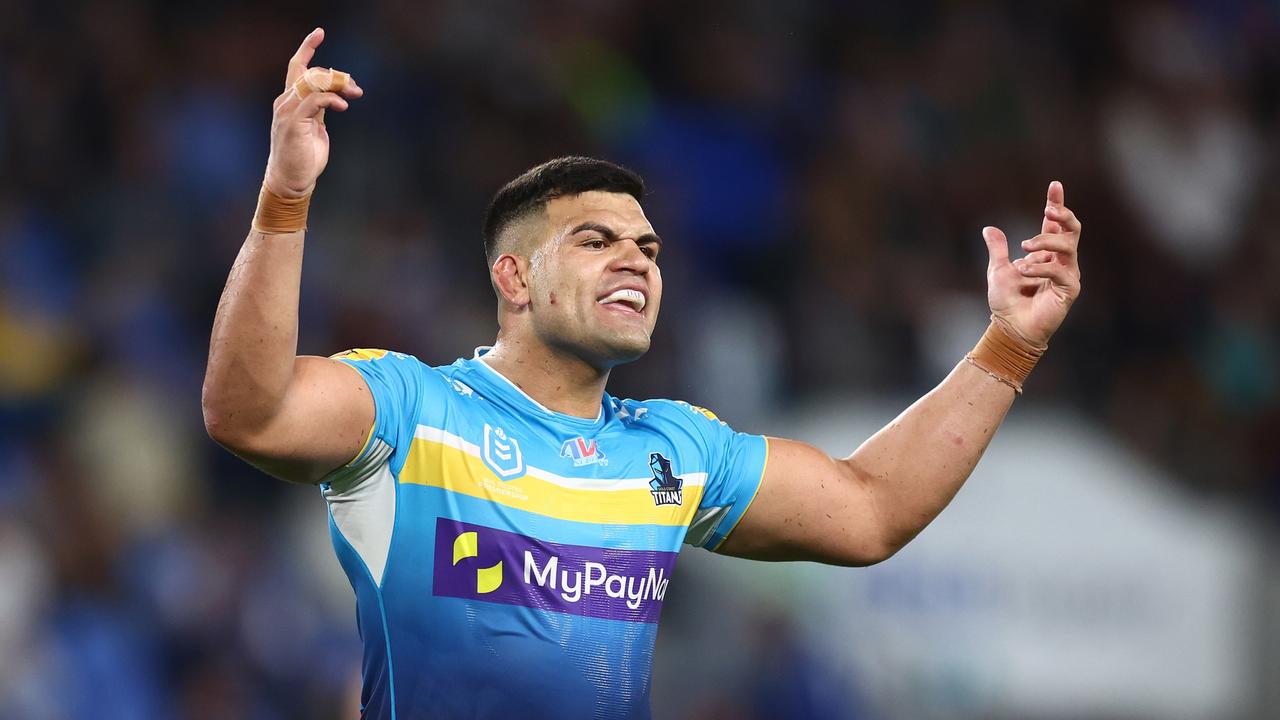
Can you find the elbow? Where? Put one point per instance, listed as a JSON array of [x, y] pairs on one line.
[[217, 419], [858, 550], [866, 555], [222, 422], [882, 552], [885, 545], [876, 540]]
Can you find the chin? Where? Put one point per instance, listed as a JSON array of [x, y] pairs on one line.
[[625, 352], [620, 350]]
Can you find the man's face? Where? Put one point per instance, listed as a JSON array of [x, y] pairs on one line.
[[594, 284]]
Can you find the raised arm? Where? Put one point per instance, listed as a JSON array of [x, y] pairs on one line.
[[861, 509], [293, 417]]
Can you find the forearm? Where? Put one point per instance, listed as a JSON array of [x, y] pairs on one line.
[[862, 509], [914, 465], [297, 418], [255, 334]]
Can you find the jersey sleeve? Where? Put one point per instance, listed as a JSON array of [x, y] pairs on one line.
[[396, 382], [735, 465]]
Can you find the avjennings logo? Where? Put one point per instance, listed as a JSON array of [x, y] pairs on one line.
[[667, 489], [583, 452], [502, 453], [516, 569]]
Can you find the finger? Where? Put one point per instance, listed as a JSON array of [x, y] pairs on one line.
[[1057, 272], [346, 86], [997, 246], [1056, 195], [314, 105], [318, 79], [285, 98], [1041, 256], [307, 50], [1055, 242], [1063, 216]]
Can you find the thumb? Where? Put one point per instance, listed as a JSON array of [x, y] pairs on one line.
[[997, 246]]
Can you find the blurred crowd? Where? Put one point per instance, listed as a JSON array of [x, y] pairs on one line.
[[820, 172]]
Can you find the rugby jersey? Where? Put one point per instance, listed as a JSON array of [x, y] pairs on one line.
[[511, 561]]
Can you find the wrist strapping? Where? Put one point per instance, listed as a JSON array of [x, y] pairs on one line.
[[278, 214], [1004, 354]]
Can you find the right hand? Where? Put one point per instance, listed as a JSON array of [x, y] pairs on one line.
[[299, 141], [1033, 294]]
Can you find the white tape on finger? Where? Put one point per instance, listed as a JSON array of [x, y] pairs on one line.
[[317, 79]]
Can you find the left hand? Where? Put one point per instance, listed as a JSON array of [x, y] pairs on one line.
[[1032, 295]]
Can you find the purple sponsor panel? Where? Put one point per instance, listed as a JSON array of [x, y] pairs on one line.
[[482, 563]]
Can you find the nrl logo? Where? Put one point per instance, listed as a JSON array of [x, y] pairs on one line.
[[667, 489], [502, 453]]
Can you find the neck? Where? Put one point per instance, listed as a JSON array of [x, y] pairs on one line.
[[560, 382]]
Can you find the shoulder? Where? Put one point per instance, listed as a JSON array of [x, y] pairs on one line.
[[374, 355], [670, 416], [399, 366], [661, 408]]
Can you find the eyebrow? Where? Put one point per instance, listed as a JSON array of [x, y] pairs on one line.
[[612, 236]]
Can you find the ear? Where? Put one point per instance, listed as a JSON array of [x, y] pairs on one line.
[[510, 275]]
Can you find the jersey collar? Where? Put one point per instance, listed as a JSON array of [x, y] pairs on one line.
[[505, 387]]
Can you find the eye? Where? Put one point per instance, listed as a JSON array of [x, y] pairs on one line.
[[649, 251], [596, 244]]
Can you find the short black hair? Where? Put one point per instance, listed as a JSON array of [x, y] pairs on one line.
[[569, 175]]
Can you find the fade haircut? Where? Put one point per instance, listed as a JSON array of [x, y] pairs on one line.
[[529, 193]]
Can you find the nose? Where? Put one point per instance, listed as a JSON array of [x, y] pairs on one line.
[[630, 258]]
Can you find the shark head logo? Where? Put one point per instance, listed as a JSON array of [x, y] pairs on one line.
[[667, 489]]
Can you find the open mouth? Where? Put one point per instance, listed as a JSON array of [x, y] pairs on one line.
[[626, 297]]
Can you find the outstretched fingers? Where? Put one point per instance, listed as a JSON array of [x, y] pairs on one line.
[[292, 99], [1056, 194], [302, 58], [1052, 270], [316, 103], [1053, 242], [1063, 217], [1056, 213]]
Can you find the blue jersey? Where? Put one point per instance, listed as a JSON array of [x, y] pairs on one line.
[[511, 561]]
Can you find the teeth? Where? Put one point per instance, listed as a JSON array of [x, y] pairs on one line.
[[634, 298]]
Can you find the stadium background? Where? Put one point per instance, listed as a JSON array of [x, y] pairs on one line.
[[820, 172]]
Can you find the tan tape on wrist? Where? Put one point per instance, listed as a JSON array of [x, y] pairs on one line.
[[319, 79], [1005, 355], [277, 215]]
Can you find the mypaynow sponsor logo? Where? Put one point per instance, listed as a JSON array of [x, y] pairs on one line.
[[482, 563]]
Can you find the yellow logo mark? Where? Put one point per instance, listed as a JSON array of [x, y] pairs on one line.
[[358, 354], [710, 415], [467, 545]]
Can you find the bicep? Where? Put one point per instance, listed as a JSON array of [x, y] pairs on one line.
[[323, 423], [810, 506]]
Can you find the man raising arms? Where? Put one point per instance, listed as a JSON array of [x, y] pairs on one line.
[[508, 527]]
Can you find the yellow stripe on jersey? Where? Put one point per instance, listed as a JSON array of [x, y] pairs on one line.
[[358, 354], [436, 465], [710, 415]]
